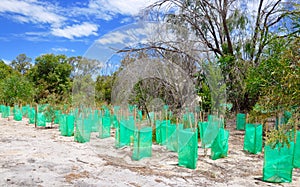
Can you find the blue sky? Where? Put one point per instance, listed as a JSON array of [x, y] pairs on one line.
[[70, 27]]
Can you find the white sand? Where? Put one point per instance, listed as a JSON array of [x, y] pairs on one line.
[[42, 157]]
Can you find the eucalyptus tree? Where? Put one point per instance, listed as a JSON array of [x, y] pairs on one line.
[[51, 77], [84, 75], [22, 63], [5, 70], [236, 31], [16, 89]]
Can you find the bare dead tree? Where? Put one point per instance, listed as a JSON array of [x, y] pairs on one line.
[[216, 22]]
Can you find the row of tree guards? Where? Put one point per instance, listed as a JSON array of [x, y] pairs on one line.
[[133, 128], [279, 159]]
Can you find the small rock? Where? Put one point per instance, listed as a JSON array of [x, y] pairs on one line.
[[31, 160]]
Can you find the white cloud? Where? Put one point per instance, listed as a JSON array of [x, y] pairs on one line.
[[43, 34], [33, 36], [52, 16], [106, 10], [7, 62], [126, 20], [134, 34], [128, 7], [62, 49], [76, 30], [75, 21], [4, 39], [31, 11], [113, 38]]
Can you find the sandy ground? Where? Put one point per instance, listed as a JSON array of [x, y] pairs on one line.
[[42, 157]]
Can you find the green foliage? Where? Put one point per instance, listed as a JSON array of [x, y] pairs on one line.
[[217, 86], [203, 91], [83, 93], [5, 70], [51, 75], [281, 136], [49, 112], [51, 80], [275, 82], [16, 89], [237, 38], [152, 93], [84, 74], [103, 88], [140, 95], [21, 64]]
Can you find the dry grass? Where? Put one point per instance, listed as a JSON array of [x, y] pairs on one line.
[[73, 176]]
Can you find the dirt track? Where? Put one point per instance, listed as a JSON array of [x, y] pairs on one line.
[[41, 157]]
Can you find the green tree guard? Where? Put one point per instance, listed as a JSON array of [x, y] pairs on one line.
[[253, 138], [117, 136], [188, 148], [158, 131], [212, 130], [187, 119], [31, 116], [1, 108], [142, 143], [17, 115], [172, 136], [83, 130], [240, 121], [202, 128], [95, 122], [70, 125], [296, 161], [62, 124], [61, 121], [41, 120], [219, 148], [278, 163], [57, 113], [124, 133], [6, 112], [25, 110], [161, 131], [104, 130]]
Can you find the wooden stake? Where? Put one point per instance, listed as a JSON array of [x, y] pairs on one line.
[[154, 119], [139, 131], [267, 127], [200, 116], [121, 114], [160, 115], [134, 114], [295, 130], [36, 113], [166, 115], [190, 120], [166, 125], [222, 119], [279, 120], [196, 120]]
